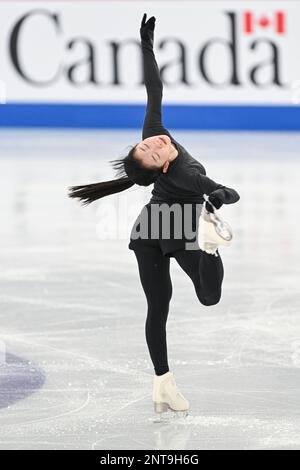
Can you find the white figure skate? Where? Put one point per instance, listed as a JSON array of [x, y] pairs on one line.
[[213, 231], [166, 395]]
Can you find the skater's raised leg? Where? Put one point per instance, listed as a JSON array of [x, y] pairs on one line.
[[206, 271]]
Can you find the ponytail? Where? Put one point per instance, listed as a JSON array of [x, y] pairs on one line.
[[91, 192], [129, 171]]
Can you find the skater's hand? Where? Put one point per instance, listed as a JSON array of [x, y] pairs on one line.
[[147, 28], [215, 201]]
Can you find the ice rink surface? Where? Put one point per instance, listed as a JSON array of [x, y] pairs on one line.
[[76, 373]]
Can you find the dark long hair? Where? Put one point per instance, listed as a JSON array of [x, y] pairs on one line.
[[129, 171]]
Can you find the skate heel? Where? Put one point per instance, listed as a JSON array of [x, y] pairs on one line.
[[160, 407]]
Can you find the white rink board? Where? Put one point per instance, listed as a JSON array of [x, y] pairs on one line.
[[53, 37]]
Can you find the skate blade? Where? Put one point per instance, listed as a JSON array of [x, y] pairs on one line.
[[166, 413], [222, 227], [161, 407], [223, 231]]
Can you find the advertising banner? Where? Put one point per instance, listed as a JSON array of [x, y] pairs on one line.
[[232, 64]]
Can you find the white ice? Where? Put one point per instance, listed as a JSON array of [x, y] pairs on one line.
[[77, 373]]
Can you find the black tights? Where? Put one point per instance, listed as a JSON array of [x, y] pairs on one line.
[[205, 270]]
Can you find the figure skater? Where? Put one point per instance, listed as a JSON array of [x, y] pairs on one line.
[[181, 181]]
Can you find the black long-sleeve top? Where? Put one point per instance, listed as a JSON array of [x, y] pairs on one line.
[[185, 180]]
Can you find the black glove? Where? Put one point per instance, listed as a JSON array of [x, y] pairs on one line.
[[147, 29], [213, 198]]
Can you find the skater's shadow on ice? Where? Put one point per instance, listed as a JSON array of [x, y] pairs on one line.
[[19, 378]]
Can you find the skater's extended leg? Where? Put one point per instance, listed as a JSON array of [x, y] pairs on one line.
[[206, 271], [154, 269]]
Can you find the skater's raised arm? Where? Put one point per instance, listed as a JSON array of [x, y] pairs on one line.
[[154, 87]]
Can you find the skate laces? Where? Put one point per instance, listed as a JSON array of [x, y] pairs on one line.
[[178, 393]]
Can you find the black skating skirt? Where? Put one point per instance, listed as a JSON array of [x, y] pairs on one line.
[[165, 226]]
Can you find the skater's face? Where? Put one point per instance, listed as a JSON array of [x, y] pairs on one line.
[[156, 152]]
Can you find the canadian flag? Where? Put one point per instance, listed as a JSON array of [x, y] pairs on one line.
[[251, 22]]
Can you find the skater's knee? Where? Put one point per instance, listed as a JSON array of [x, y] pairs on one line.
[[210, 300]]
